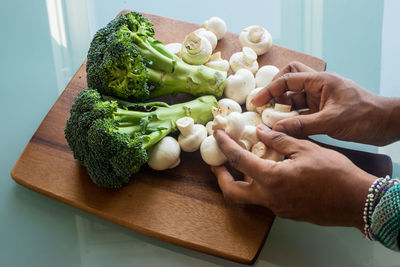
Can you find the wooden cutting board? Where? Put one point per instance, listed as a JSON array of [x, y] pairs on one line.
[[184, 205]]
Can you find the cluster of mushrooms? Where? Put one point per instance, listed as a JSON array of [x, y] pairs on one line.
[[241, 87]]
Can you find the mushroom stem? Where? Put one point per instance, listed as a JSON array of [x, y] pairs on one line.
[[282, 108], [185, 125], [193, 43], [249, 56], [220, 122], [256, 34], [245, 144]]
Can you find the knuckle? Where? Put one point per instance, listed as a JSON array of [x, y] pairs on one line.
[[293, 66], [278, 138], [235, 158]]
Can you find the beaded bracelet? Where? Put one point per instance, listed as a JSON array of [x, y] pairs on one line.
[[385, 221], [377, 190]]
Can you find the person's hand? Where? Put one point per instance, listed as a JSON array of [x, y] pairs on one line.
[[337, 107], [312, 184]]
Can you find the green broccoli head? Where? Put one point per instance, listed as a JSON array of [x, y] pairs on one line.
[[125, 61], [111, 139], [115, 65], [121, 154], [87, 108]]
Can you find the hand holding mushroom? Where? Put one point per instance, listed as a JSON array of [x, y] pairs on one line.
[[322, 194], [332, 101]]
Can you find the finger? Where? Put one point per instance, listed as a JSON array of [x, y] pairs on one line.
[[302, 126], [293, 67], [235, 191], [239, 158], [295, 82], [278, 141], [294, 99], [248, 179]]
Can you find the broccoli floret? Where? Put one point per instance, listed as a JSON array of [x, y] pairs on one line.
[[111, 137], [124, 60]]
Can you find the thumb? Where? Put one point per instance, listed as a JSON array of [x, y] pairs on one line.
[[280, 142], [301, 126]]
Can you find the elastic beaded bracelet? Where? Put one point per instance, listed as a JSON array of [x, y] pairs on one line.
[[377, 190]]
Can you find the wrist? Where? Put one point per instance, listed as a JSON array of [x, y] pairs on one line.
[[364, 181], [390, 107]]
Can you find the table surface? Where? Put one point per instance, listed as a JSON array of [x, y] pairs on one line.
[[43, 43]]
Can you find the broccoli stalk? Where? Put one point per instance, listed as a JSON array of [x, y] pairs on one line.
[[124, 60], [111, 138]]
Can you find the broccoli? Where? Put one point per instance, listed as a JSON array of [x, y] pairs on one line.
[[125, 61], [110, 137]]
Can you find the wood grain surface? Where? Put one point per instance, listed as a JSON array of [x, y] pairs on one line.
[[184, 205]]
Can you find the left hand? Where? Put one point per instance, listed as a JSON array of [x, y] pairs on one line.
[[312, 184]]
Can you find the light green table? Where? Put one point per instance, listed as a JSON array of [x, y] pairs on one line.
[[43, 43]]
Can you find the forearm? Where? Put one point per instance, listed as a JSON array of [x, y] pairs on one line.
[[391, 127]]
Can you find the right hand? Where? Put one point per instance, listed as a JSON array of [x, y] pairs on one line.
[[312, 184], [338, 107]]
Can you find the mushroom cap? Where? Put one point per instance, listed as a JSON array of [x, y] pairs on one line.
[[247, 59], [250, 97], [165, 154], [216, 62], [257, 38], [192, 142], [270, 116], [196, 49], [235, 125], [211, 153], [209, 35], [222, 64], [239, 85], [215, 25], [265, 75], [227, 106], [249, 137], [252, 118], [174, 48]]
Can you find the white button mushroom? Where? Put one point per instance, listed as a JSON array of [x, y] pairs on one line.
[[249, 137], [265, 75], [219, 122], [196, 49], [227, 106], [247, 59], [209, 35], [252, 118], [165, 154], [250, 97], [216, 62], [211, 153], [174, 48], [257, 38], [209, 128], [191, 134], [239, 85], [215, 25], [235, 125], [262, 151], [279, 112]]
